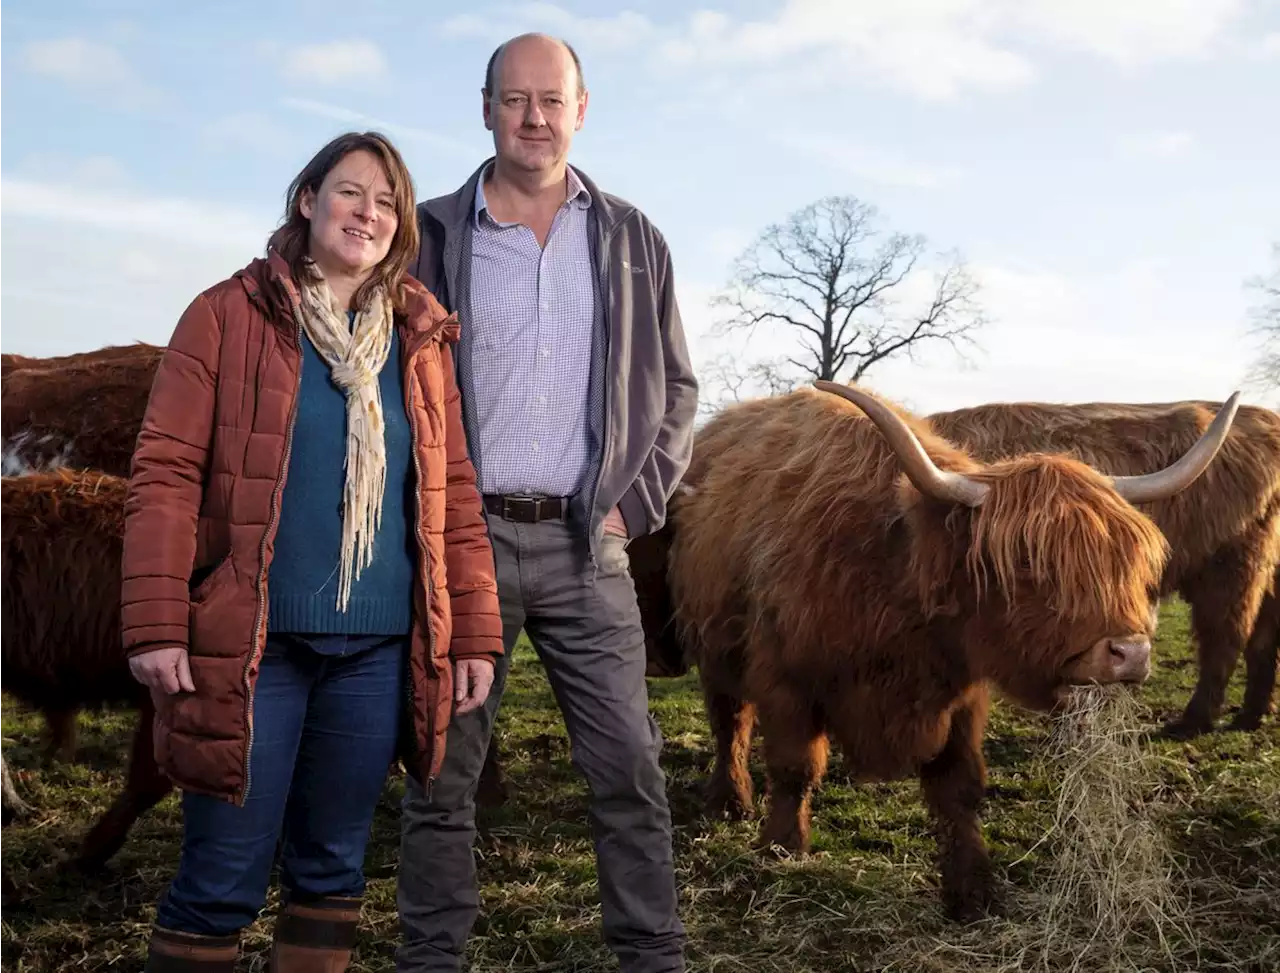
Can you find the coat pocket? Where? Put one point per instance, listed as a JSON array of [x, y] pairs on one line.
[[207, 578]]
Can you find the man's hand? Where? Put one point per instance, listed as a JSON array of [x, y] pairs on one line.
[[614, 524], [163, 671], [472, 679]]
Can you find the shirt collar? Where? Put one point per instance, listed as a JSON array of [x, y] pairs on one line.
[[578, 193]]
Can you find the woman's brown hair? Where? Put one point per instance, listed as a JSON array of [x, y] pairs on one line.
[[292, 238]]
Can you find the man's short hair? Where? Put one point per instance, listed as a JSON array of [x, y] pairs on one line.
[[493, 63]]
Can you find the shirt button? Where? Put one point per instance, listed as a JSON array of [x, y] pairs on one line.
[[535, 447], [542, 400], [543, 305], [545, 352]]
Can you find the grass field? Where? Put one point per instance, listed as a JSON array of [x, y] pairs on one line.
[[864, 900]]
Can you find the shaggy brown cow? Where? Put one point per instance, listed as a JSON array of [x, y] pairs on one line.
[[822, 592], [81, 411], [1224, 530], [61, 644]]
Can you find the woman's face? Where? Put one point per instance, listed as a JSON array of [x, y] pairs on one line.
[[353, 216]]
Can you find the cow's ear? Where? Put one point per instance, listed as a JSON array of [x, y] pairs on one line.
[[939, 541]]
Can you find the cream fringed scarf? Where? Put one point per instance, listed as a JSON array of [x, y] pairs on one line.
[[355, 356]]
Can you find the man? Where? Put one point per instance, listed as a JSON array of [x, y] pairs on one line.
[[579, 402]]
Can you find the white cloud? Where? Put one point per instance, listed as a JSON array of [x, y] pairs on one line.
[[94, 67], [140, 260], [78, 61], [130, 286], [935, 50], [1270, 44], [251, 129], [337, 62], [1132, 32], [870, 164], [339, 113], [1056, 338], [96, 171], [1157, 145], [621, 30], [167, 219]]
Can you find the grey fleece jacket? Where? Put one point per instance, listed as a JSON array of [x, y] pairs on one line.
[[641, 370]]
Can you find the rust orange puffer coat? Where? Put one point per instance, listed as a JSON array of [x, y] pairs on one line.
[[204, 500]]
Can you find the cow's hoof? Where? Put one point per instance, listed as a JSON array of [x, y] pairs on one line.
[[790, 840], [1246, 722], [969, 889], [727, 805], [973, 901], [1186, 728]]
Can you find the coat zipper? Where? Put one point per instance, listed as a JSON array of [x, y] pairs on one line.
[[430, 588], [605, 379], [262, 555]]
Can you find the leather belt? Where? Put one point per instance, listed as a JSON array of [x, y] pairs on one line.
[[526, 510]]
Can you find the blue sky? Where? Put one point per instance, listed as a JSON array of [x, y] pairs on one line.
[[1107, 169]]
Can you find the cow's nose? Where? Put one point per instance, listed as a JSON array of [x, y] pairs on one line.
[[1130, 658]]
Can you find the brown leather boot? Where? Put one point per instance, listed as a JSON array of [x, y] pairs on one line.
[[171, 951], [315, 936]]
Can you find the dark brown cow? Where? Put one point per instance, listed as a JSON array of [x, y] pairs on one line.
[[1224, 530], [822, 592], [62, 649], [79, 411]]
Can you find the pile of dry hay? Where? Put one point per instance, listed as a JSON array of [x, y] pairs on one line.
[[1110, 895]]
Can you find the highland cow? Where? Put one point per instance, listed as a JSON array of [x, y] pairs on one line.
[[1224, 530], [79, 411], [838, 569], [61, 645]]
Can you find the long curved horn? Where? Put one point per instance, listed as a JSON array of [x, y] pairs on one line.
[[1175, 478], [924, 474]]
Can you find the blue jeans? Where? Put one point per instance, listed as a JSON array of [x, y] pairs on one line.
[[325, 721]]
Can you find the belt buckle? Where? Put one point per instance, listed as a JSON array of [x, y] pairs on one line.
[[507, 508]]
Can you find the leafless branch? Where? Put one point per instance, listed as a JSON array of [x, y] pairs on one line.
[[829, 274], [1265, 373], [729, 379]]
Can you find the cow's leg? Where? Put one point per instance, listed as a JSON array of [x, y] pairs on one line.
[[64, 732], [795, 753], [953, 784], [11, 805], [729, 793], [1224, 605], [1260, 665], [145, 787]]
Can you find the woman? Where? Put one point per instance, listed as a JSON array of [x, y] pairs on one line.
[[308, 583]]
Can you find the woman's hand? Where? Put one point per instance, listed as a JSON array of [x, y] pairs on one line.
[[163, 671], [472, 679]]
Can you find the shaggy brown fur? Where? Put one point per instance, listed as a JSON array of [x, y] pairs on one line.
[[62, 651], [1224, 530], [820, 593], [81, 411]]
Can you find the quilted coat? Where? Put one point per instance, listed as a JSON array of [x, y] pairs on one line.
[[203, 505]]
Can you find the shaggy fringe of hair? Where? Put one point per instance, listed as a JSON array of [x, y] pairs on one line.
[[1037, 520]]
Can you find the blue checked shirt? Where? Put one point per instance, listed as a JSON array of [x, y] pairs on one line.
[[532, 319]]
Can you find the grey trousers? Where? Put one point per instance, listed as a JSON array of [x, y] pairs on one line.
[[584, 624]]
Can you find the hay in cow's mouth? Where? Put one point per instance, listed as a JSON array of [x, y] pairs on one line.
[[1111, 873], [1110, 894]]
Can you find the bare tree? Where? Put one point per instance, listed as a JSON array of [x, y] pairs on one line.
[[1266, 326], [827, 276], [736, 380]]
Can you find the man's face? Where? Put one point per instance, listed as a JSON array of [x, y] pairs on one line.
[[535, 108]]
